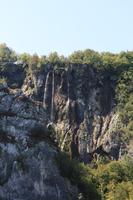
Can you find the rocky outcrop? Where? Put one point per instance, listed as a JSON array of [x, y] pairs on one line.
[[80, 102], [32, 174], [13, 73], [27, 163]]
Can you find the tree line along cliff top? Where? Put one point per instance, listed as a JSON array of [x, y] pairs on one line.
[[98, 60], [113, 179]]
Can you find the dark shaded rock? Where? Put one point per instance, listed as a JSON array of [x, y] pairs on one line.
[[13, 73]]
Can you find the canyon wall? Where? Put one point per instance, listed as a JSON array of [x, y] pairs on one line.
[[80, 104]]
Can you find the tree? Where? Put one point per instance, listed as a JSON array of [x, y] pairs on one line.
[[123, 191], [34, 61], [54, 58], [76, 57], [7, 54], [25, 57]]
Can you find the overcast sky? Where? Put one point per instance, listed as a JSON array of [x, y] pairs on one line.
[[64, 26]]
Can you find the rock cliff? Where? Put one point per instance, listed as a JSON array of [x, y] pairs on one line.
[[28, 167], [80, 102], [81, 105]]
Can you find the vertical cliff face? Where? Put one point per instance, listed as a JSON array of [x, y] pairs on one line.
[[80, 103], [71, 107], [28, 168]]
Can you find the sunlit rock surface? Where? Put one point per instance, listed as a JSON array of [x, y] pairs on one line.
[[28, 169], [80, 102]]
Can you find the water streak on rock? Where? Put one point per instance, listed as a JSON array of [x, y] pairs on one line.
[[52, 98], [46, 90]]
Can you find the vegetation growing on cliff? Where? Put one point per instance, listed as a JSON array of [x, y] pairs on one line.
[[113, 180], [79, 175], [108, 181], [117, 67], [7, 54]]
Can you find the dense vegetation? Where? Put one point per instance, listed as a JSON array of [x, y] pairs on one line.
[[110, 180], [7, 54]]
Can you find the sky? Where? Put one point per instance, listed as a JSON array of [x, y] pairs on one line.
[[65, 26]]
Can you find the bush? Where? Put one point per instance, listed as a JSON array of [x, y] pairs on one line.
[[7, 54], [123, 191], [79, 175]]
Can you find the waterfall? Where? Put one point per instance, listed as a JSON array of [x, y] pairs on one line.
[[46, 90], [68, 90], [52, 98], [48, 99]]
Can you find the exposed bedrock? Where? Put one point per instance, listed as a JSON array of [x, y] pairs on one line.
[[28, 168], [80, 102]]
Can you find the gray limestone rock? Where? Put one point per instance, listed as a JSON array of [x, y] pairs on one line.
[[28, 169]]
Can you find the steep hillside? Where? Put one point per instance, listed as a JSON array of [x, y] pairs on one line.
[[81, 105]]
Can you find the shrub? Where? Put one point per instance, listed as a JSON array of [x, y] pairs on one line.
[[80, 175]]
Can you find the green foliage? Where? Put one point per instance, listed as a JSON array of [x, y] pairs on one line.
[[33, 62], [124, 86], [54, 58], [127, 113], [24, 57], [123, 191], [86, 57], [80, 175], [7, 54], [113, 176], [76, 57], [113, 180], [57, 61], [43, 60], [124, 97]]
